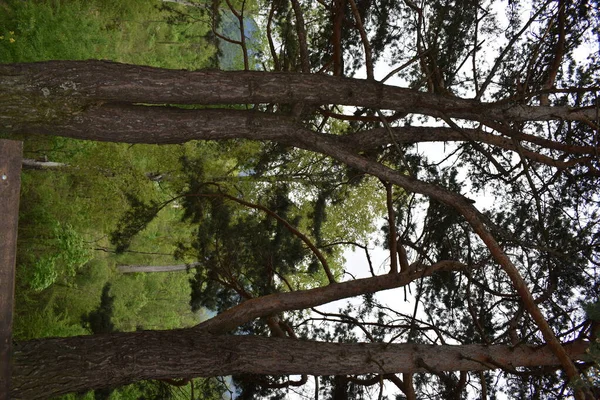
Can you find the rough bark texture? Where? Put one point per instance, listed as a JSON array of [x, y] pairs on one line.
[[56, 366], [51, 90], [160, 125]]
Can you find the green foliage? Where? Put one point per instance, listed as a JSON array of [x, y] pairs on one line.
[[234, 242], [593, 313], [61, 254], [135, 219], [100, 319], [73, 250], [134, 31], [43, 30], [45, 323], [43, 273]]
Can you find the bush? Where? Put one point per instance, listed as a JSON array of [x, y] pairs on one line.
[[65, 252]]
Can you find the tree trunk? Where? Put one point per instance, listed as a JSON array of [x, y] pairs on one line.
[[10, 186], [129, 269], [29, 163], [51, 367], [60, 90]]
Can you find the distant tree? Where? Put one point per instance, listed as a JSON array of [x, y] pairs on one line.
[[128, 269], [100, 319]]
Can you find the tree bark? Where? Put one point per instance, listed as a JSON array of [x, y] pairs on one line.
[[139, 124], [46, 367], [129, 269], [51, 367], [55, 90], [29, 163]]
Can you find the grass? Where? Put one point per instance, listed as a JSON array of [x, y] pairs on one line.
[[133, 31]]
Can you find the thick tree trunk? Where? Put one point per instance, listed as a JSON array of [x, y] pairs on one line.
[[10, 187], [140, 124], [50, 367], [59, 90]]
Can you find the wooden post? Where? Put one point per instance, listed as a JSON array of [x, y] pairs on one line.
[[10, 185]]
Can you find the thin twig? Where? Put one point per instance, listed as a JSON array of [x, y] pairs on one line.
[[364, 39]]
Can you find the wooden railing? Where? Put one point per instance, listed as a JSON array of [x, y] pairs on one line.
[[10, 184]]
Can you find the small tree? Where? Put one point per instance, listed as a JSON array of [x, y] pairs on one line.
[[100, 319]]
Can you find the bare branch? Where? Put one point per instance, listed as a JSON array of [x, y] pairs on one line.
[[29, 163], [126, 269], [508, 47], [362, 246], [242, 42], [364, 39], [559, 53], [402, 66], [301, 32], [392, 235], [274, 55]]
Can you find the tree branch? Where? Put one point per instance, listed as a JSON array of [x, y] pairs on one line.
[[337, 13], [392, 235], [301, 32], [559, 53], [302, 299], [364, 39], [274, 55]]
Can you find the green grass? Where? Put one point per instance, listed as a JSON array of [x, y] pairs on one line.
[[45, 30], [133, 31]]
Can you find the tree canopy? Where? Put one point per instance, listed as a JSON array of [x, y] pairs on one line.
[[503, 293]]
